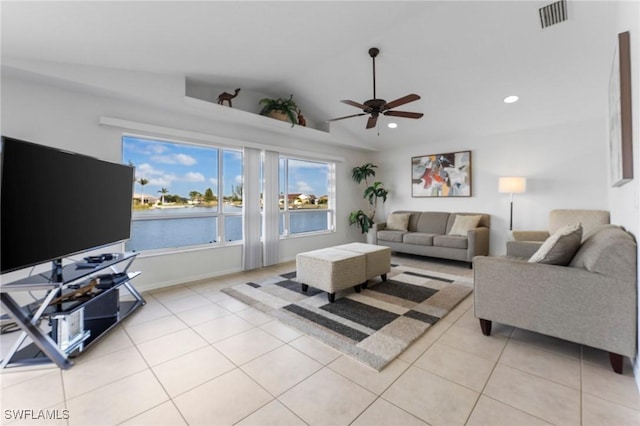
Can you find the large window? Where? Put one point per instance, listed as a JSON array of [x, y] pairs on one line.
[[191, 195], [306, 196], [184, 194]]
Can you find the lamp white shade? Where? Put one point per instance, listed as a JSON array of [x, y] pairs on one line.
[[512, 184]]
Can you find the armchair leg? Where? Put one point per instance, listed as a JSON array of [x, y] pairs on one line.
[[616, 361], [485, 326]]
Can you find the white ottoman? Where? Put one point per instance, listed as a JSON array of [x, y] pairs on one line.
[[378, 258], [331, 270]]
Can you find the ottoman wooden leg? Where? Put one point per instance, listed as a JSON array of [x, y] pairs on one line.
[[365, 285], [357, 288], [305, 287], [384, 277], [332, 297]]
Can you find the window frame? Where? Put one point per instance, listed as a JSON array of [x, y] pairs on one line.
[[285, 213]]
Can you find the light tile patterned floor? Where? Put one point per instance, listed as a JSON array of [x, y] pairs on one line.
[[195, 356]]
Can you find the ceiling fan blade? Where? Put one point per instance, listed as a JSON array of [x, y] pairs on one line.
[[404, 114], [348, 116], [403, 100], [355, 104], [372, 121]]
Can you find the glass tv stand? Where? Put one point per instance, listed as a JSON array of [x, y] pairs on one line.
[[82, 303]]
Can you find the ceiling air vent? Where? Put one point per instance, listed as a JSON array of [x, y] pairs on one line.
[[553, 14]]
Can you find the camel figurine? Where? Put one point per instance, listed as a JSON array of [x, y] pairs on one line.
[[224, 96], [301, 119]]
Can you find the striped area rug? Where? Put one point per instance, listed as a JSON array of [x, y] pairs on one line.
[[373, 326]]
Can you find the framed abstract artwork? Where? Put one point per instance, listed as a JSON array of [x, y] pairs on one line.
[[441, 175], [620, 143]]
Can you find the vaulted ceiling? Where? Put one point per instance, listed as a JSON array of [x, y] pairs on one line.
[[462, 57]]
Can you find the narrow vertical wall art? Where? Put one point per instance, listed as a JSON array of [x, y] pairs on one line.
[[620, 140]]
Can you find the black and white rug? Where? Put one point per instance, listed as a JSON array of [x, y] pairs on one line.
[[373, 326]]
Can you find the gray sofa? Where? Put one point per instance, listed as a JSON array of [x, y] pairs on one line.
[[427, 235], [592, 301]]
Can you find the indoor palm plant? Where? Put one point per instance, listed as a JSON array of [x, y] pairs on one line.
[[364, 220], [281, 109]]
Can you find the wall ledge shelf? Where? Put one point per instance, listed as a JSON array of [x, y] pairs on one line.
[[139, 128], [246, 118]]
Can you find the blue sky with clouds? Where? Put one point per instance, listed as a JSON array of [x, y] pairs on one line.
[[178, 168], [307, 177], [182, 168]]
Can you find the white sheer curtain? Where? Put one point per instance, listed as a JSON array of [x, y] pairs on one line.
[[271, 218], [252, 253]]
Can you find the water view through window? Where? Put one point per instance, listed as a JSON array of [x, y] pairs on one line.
[[176, 198], [305, 188]]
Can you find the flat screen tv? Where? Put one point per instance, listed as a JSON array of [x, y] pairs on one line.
[[55, 203]]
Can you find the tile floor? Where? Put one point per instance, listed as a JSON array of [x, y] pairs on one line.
[[195, 356]]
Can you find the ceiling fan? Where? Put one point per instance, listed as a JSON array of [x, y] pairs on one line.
[[374, 107]]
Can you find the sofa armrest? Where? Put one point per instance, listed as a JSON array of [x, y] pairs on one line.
[[379, 226], [522, 249], [530, 235], [477, 242], [561, 301], [372, 235]]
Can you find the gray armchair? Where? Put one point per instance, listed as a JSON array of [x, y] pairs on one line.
[[592, 301], [526, 243]]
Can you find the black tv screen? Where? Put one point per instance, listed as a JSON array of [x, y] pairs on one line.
[[55, 203]]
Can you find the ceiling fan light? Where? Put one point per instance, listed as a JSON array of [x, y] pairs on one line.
[[392, 125], [510, 99]]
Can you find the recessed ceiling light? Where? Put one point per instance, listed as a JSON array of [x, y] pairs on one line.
[[510, 99], [392, 125]]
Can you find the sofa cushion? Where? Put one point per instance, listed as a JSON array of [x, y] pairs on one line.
[[413, 219], [451, 241], [559, 248], [393, 236], [485, 220], [608, 251], [398, 221], [432, 223], [463, 224], [419, 238]]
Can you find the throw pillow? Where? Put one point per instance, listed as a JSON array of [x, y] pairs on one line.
[[398, 222], [464, 223], [559, 248]]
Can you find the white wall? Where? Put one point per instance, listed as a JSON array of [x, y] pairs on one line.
[[565, 167], [42, 111]]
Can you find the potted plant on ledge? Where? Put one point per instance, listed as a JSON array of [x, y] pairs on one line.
[[364, 220], [280, 109]]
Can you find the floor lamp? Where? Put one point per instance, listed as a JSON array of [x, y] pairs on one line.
[[512, 185]]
